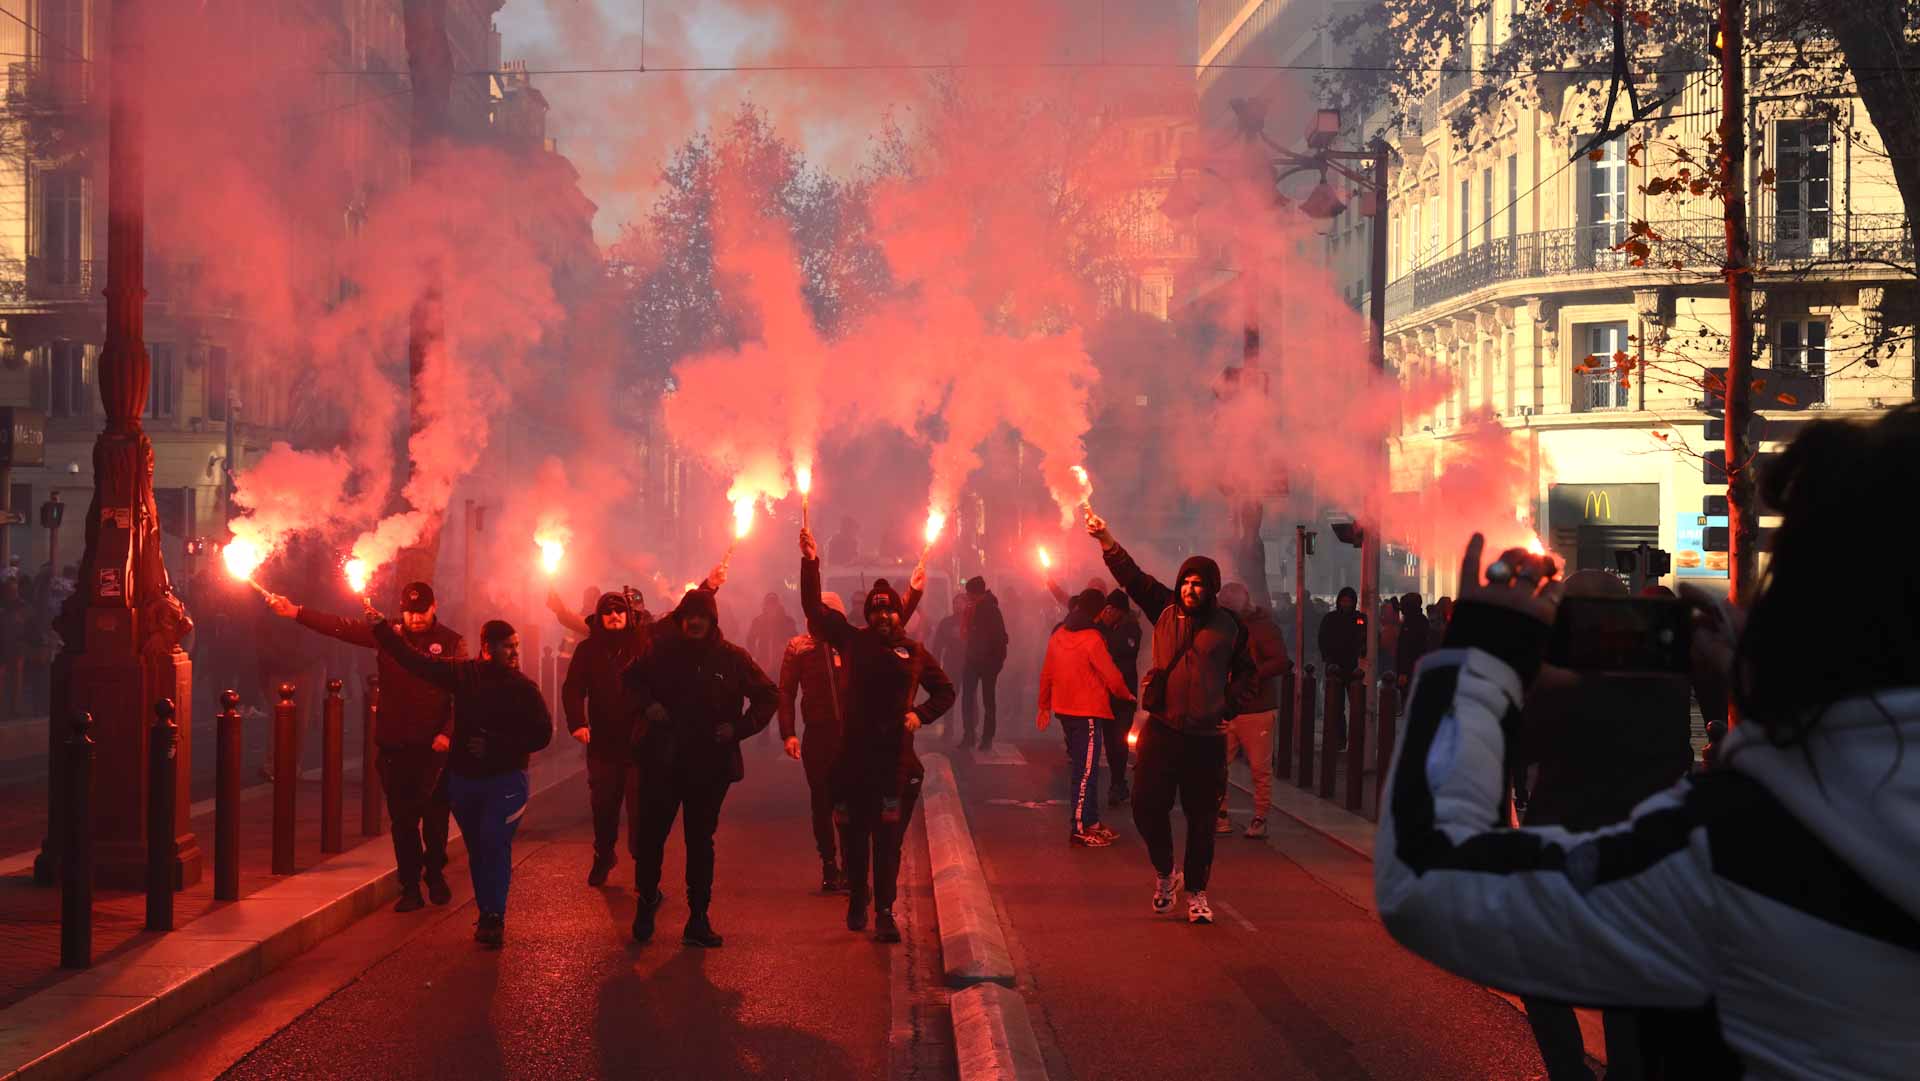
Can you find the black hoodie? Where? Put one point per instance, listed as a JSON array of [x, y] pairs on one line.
[[594, 694], [713, 693], [1214, 676]]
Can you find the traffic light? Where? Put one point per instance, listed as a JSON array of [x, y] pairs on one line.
[[1714, 466], [1350, 533], [1714, 506], [1716, 429]]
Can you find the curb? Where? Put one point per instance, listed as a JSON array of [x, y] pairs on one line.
[[973, 949], [83, 1023], [993, 1036]]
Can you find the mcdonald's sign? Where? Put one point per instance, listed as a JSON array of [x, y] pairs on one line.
[[1599, 506], [1571, 505]]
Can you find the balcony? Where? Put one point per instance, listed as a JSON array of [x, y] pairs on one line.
[[39, 280], [47, 84], [1599, 392], [1689, 243]]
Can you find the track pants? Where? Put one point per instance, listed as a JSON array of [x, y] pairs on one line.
[[489, 811], [1083, 770], [1193, 769]]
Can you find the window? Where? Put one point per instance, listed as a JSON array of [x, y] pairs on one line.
[[1466, 228], [67, 380], [1414, 255], [1803, 177], [62, 227], [1800, 345], [217, 389], [1513, 195], [63, 36], [1486, 205], [1604, 210], [1601, 388], [163, 386]]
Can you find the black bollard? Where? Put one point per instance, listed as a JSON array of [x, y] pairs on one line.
[[76, 864], [370, 761], [1309, 694], [1383, 741], [1356, 742], [163, 745], [332, 748], [1333, 695], [226, 799], [1283, 729], [286, 779]]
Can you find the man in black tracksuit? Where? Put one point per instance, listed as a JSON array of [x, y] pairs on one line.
[[600, 713], [499, 719], [415, 725], [1343, 645], [876, 779], [984, 630], [702, 695]]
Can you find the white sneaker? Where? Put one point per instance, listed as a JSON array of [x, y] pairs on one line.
[[1198, 910], [1164, 891]]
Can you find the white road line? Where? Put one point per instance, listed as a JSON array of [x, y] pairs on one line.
[[1237, 917]]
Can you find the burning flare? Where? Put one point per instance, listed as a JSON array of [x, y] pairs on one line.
[[803, 479], [1534, 547], [243, 557], [936, 521], [358, 572], [1046, 561], [742, 516], [551, 552]]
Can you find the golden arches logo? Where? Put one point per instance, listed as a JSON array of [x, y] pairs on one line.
[[1600, 506]]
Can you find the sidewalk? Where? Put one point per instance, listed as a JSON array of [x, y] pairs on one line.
[[58, 1022]]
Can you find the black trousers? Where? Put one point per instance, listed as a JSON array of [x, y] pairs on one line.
[[1193, 769], [609, 781], [979, 686], [1115, 734], [661, 799], [873, 827], [817, 756], [415, 782]]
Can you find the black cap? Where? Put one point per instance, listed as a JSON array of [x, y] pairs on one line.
[[1118, 598], [417, 597], [612, 602]]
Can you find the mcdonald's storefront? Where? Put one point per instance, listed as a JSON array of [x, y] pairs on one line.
[[1586, 523]]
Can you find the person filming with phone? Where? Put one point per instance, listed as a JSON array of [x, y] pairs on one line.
[[1778, 895]]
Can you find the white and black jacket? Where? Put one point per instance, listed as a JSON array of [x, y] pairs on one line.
[[1779, 892]]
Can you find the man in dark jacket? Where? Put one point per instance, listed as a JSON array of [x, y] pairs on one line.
[[1251, 732], [813, 676], [876, 778], [949, 644], [1415, 633], [1121, 628], [702, 696], [984, 630], [416, 723], [600, 714], [499, 718], [1201, 653], [1343, 645]]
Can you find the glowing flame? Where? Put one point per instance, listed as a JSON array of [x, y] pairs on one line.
[[742, 516], [803, 478], [1133, 738], [243, 557], [357, 574], [936, 521], [1046, 561], [551, 551], [1080, 474], [1534, 547], [689, 588]]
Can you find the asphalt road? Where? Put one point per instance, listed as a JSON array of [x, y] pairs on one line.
[[1293, 979]]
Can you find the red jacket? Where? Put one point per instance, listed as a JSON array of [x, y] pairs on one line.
[[1079, 678]]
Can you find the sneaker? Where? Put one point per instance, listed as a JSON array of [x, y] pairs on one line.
[[856, 913], [884, 929], [601, 866], [1198, 910], [1101, 829], [1164, 891], [491, 930], [1222, 824], [643, 918], [1087, 838], [437, 890], [832, 879], [410, 901], [1257, 828], [700, 933]]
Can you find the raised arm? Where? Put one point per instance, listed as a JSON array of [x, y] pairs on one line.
[[570, 620], [443, 674], [1059, 594], [354, 632], [825, 624], [916, 592], [1146, 590]]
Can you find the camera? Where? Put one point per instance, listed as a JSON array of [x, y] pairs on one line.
[[1622, 634]]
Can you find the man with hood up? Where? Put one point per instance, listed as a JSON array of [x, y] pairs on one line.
[[876, 777], [702, 695], [984, 630], [813, 675], [770, 631], [1202, 673], [600, 714], [1343, 645]]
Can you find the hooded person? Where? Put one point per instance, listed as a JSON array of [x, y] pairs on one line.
[[772, 628], [701, 695], [1250, 732], [414, 734], [1078, 683], [600, 713], [499, 719], [984, 629], [876, 776], [813, 678], [1202, 673], [1415, 638], [1120, 625], [1343, 645]]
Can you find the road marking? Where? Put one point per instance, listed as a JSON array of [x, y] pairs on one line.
[[1237, 917]]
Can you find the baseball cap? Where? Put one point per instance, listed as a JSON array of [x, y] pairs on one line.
[[417, 597]]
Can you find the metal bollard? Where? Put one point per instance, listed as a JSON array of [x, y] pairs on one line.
[[332, 751], [1332, 692], [1356, 742], [163, 745], [1283, 729], [76, 864], [1383, 742], [229, 741], [286, 780], [1308, 696], [370, 761]]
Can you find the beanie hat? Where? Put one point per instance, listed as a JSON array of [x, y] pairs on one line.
[[1118, 598], [882, 589], [1088, 603]]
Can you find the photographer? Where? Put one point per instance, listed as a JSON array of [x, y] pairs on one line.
[[1778, 895]]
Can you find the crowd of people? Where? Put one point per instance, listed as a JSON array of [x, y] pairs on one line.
[[29, 604]]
